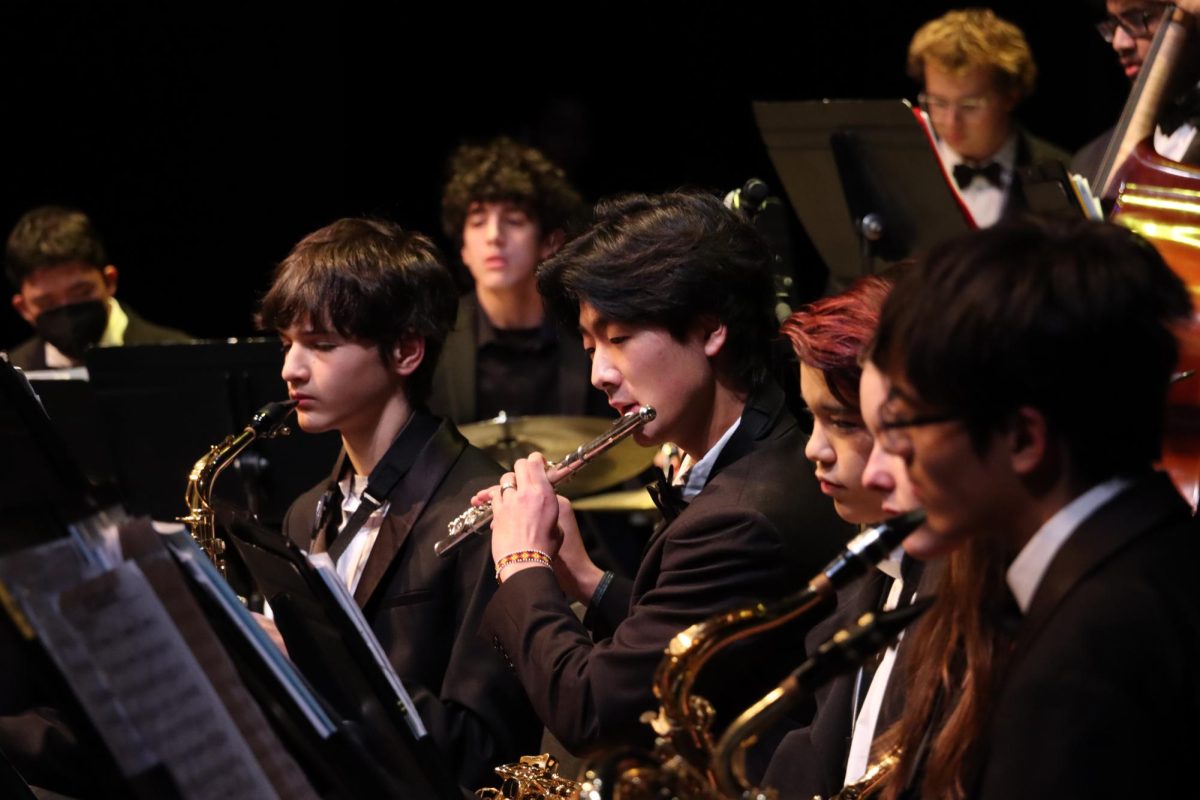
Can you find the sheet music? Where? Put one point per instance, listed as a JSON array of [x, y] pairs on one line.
[[201, 570], [144, 545], [328, 572], [1087, 200], [147, 696]]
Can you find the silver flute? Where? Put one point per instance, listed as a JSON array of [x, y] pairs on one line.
[[476, 518]]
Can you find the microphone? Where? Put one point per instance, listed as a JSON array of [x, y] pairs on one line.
[[749, 198]]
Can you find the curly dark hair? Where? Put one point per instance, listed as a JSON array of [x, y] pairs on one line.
[[370, 280], [504, 171]]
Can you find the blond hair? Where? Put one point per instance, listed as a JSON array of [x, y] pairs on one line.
[[974, 38]]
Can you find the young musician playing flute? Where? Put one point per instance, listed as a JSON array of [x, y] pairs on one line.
[[672, 295]]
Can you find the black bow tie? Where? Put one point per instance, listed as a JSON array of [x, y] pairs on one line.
[[1183, 109], [992, 172], [667, 497]]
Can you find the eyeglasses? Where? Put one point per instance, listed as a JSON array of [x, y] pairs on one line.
[[968, 106], [894, 428], [1138, 23]]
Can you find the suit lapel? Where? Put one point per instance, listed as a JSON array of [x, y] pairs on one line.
[[1141, 507], [758, 418], [406, 504]]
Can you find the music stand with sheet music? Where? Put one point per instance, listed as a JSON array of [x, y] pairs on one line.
[[333, 645], [89, 610], [166, 405], [864, 179]]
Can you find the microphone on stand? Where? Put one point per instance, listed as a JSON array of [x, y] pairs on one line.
[[766, 213]]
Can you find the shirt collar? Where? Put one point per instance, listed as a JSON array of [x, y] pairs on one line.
[[1027, 569], [695, 474], [890, 565]]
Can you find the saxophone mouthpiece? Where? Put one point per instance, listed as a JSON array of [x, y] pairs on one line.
[[271, 416], [870, 547]]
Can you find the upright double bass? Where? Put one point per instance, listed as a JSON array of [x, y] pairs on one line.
[[1160, 200]]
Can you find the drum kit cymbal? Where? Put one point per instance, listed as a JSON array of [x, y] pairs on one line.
[[507, 438]]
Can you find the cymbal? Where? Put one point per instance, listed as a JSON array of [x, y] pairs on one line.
[[507, 438], [625, 500]]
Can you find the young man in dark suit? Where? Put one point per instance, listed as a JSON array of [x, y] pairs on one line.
[[1029, 371], [867, 485], [673, 297], [362, 308], [56, 261], [974, 68], [507, 207]]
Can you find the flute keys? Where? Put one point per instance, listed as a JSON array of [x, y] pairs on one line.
[[507, 438]]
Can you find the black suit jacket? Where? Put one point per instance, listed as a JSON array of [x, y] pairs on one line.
[[31, 353], [1030, 150], [425, 609], [759, 529], [453, 391], [1102, 691]]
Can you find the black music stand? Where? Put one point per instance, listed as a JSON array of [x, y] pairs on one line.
[[165, 405], [44, 490], [333, 646], [864, 179], [48, 503]]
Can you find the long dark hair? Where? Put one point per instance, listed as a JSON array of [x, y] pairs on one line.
[[952, 668]]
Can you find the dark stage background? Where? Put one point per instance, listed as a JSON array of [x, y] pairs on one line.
[[206, 140]]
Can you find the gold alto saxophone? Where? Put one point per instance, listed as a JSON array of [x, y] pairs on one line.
[[845, 650], [476, 518], [269, 421], [685, 761], [684, 721]]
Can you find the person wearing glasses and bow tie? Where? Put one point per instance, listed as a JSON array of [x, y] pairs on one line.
[[1129, 29], [974, 68]]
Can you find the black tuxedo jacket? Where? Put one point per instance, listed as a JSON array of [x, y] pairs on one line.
[[1102, 690], [1030, 150], [31, 353], [425, 609], [759, 529]]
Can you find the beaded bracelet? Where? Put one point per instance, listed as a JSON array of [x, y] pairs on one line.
[[524, 557]]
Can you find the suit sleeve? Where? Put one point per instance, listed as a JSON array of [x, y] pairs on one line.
[[481, 717], [1101, 707], [591, 694]]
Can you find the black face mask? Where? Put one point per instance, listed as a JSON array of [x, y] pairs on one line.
[[74, 327]]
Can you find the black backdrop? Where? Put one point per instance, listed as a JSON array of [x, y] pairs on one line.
[[207, 139]]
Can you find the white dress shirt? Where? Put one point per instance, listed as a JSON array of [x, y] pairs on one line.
[[1175, 146], [868, 716], [351, 563], [1026, 571], [984, 200], [693, 475]]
